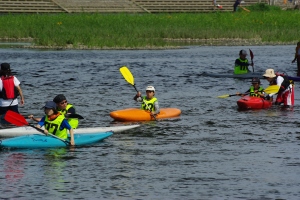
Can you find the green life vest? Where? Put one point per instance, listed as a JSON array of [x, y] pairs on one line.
[[72, 121], [241, 69], [54, 125], [253, 94], [150, 103]]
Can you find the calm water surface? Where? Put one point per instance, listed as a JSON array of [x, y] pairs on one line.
[[213, 151]]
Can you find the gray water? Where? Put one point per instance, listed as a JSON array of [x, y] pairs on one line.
[[213, 151]]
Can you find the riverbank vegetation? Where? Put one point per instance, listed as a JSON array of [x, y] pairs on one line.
[[263, 25]]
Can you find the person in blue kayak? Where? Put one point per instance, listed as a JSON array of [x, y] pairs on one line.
[[149, 102], [241, 64], [255, 90], [285, 94], [64, 108], [55, 122]]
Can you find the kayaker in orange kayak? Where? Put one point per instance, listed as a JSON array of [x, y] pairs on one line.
[[149, 102], [255, 90]]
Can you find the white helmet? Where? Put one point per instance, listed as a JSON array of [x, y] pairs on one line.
[[150, 88]]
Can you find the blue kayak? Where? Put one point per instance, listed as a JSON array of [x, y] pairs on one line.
[[43, 141]]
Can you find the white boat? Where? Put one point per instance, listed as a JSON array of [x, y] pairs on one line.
[[27, 130]]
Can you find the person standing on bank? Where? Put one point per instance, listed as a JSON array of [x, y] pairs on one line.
[[241, 64], [286, 90], [64, 108], [297, 57], [9, 90], [149, 101], [236, 4]]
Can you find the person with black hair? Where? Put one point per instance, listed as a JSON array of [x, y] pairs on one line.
[[9, 90], [255, 90], [241, 64], [64, 108]]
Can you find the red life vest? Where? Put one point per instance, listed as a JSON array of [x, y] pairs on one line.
[[9, 91]]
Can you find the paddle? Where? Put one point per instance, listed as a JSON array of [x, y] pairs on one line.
[[19, 120], [252, 56], [230, 95], [272, 89], [130, 79], [269, 90], [245, 9], [73, 116]]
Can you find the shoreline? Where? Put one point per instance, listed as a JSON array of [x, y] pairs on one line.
[[182, 43]]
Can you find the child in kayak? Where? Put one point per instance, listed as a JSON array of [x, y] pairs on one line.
[[255, 90], [241, 64], [55, 123], [149, 102]]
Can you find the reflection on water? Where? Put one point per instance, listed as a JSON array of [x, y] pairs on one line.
[[213, 151]]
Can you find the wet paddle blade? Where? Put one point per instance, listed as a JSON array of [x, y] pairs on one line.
[[251, 54], [272, 89], [15, 118], [224, 96], [73, 116], [127, 75]]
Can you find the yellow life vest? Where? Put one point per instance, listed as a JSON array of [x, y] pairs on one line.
[[54, 125], [150, 103], [72, 121], [243, 68]]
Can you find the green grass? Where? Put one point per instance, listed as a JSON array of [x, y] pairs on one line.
[[270, 24]]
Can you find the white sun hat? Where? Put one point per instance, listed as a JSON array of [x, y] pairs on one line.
[[150, 88]]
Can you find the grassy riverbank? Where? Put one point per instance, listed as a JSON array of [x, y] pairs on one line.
[[153, 30]]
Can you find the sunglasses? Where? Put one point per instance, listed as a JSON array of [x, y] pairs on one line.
[[149, 91], [63, 102]]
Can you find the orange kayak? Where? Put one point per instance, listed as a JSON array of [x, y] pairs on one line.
[[135, 114]]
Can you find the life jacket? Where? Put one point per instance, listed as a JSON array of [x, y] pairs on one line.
[[150, 103], [242, 68], [9, 90], [72, 121], [286, 82], [53, 126], [253, 94]]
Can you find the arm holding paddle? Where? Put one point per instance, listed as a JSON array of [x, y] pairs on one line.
[[130, 79], [138, 97]]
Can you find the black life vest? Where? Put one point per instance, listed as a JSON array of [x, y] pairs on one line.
[[9, 90], [285, 84]]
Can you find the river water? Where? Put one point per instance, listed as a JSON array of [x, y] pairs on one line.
[[213, 151]]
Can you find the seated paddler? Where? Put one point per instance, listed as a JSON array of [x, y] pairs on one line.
[[255, 90], [241, 64], [149, 102]]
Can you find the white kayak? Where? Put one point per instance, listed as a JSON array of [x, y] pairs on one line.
[[27, 130]]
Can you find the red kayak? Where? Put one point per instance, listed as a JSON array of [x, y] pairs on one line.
[[248, 102]]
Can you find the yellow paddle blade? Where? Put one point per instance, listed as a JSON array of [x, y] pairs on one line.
[[272, 89], [127, 75], [224, 96]]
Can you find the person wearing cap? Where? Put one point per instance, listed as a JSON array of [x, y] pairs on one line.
[[149, 102], [297, 57], [285, 94], [255, 90], [241, 64], [55, 122], [64, 108], [9, 90]]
